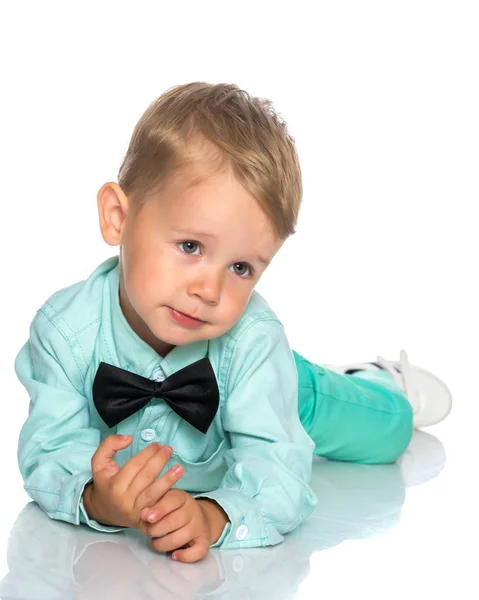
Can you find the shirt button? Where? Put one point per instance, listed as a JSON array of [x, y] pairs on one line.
[[147, 435], [241, 532], [158, 376]]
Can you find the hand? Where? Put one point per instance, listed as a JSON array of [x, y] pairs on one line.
[[117, 495], [184, 523]]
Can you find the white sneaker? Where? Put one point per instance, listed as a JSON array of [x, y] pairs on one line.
[[428, 395]]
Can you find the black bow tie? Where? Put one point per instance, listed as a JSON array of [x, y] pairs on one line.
[[192, 392]]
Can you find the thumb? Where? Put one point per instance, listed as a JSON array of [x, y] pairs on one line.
[[103, 459]]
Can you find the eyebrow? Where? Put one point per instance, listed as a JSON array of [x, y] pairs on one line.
[[260, 259]]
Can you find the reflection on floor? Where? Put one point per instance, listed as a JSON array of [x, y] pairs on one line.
[[57, 560]]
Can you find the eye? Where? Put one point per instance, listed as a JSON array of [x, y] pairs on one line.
[[242, 269], [250, 270], [188, 244]]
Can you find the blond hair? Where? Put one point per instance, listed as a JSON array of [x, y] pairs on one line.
[[251, 138]]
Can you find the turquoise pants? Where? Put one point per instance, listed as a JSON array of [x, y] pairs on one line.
[[364, 417]]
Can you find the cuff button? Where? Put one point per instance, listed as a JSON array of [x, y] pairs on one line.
[[241, 532]]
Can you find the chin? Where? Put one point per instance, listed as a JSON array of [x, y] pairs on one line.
[[177, 336]]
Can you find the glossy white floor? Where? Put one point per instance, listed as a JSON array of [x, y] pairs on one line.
[[405, 530]]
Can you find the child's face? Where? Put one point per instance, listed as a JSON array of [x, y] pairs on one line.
[[168, 261]]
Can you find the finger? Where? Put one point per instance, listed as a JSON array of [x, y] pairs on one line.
[[173, 540], [172, 500], [197, 550], [169, 503], [172, 522], [103, 457], [149, 491], [140, 486], [138, 461]]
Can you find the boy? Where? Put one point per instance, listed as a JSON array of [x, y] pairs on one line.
[[169, 343]]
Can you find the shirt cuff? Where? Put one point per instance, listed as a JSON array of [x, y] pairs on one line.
[[247, 527]]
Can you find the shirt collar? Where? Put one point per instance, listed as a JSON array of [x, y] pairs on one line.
[[130, 351]]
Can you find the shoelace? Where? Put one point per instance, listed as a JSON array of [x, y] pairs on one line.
[[404, 379]]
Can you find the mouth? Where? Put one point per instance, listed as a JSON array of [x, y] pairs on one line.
[[184, 318], [188, 315]]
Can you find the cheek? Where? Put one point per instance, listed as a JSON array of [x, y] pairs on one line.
[[142, 283], [236, 302]]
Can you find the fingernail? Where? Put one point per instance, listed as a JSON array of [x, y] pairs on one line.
[[177, 469], [151, 517]]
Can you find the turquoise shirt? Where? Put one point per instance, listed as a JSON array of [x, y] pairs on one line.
[[256, 458]]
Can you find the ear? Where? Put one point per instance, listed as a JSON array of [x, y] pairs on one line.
[[112, 211]]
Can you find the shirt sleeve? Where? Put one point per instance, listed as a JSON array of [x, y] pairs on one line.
[[56, 442], [265, 491]]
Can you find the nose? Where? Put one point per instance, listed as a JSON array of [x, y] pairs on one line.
[[207, 285]]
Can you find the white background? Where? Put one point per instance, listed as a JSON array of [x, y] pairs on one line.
[[382, 98]]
